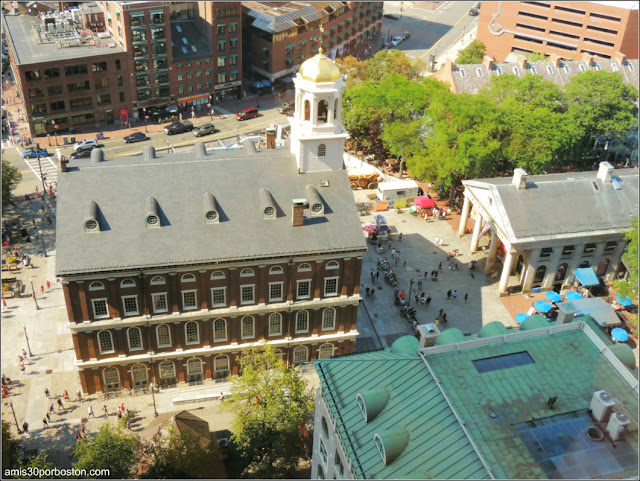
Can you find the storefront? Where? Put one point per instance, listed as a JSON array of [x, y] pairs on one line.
[[228, 91], [196, 101], [47, 125]]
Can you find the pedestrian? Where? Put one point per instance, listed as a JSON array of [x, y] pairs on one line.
[[119, 415], [372, 292], [106, 410], [373, 277], [23, 370], [66, 395], [377, 274], [83, 429], [42, 288], [444, 317], [4, 303], [367, 292], [48, 416], [78, 436], [400, 237], [448, 294], [221, 396], [428, 300], [49, 220], [397, 259], [420, 282], [436, 240], [390, 243], [51, 408], [122, 407], [48, 285], [25, 427], [79, 395], [455, 294], [393, 252], [46, 393], [90, 411], [60, 405], [466, 297], [45, 423], [439, 268], [24, 354]]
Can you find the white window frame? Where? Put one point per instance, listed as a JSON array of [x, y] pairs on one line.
[[195, 306], [462, 73], [217, 275], [173, 366], [126, 283], [253, 294], [224, 295], [479, 72], [298, 283], [304, 267], [129, 339], [224, 321], [324, 454], [567, 69], [93, 306], [333, 349], [124, 306], [247, 272], [533, 70], [332, 265], [335, 315], [104, 377], [582, 68], [158, 336], [191, 363], [271, 317], [140, 367], [96, 286], [158, 281], [276, 270], [308, 320], [188, 278], [516, 71], [281, 284], [253, 327], [108, 351], [326, 281], [614, 67], [549, 69], [215, 366], [298, 349], [186, 335], [156, 295]]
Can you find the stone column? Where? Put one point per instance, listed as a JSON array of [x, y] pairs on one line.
[[475, 238], [466, 210], [493, 250], [506, 271]]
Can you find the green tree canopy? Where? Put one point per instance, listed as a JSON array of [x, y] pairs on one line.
[[11, 447], [472, 53], [109, 448], [630, 287], [354, 69], [394, 62], [11, 177], [271, 405]]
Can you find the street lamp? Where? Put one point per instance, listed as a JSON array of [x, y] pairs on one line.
[[42, 240], [14, 417], [210, 110], [153, 396], [55, 130], [410, 292], [144, 114], [33, 294], [42, 177], [27, 338]]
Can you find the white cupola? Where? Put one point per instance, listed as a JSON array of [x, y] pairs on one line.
[[317, 133]]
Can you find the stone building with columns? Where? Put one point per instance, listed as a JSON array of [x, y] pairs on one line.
[[172, 264], [543, 227]]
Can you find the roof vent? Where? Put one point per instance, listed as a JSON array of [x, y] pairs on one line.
[[267, 205], [211, 214], [316, 206], [604, 172], [372, 402], [520, 179], [152, 218], [201, 150], [391, 443], [91, 223], [149, 152], [618, 425], [249, 146], [97, 155]]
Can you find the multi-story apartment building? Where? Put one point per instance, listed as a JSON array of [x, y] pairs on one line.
[[567, 29], [215, 251], [278, 40], [67, 75]]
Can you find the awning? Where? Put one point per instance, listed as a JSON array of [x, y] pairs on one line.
[[156, 12], [291, 45], [587, 276], [137, 14], [193, 98]]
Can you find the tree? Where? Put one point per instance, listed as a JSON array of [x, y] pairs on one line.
[[394, 62], [109, 448], [11, 177], [354, 69], [271, 403], [630, 287], [38, 464], [535, 56], [11, 447], [472, 53]]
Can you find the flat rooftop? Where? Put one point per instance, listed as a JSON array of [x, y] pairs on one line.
[[22, 36]]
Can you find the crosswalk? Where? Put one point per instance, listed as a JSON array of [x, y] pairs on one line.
[[49, 168]]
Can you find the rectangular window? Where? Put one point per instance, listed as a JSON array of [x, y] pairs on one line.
[[233, 43], [247, 327], [31, 75], [100, 310], [233, 27], [222, 61], [118, 64], [130, 304], [233, 76], [80, 103], [57, 106], [567, 251], [121, 95], [275, 291], [76, 70], [221, 44], [219, 296], [135, 340], [247, 294], [221, 28], [304, 289], [159, 302], [189, 299], [546, 252], [505, 361], [101, 83], [39, 108], [323, 453], [99, 67], [219, 330], [589, 249], [233, 60], [54, 90], [330, 286], [104, 99], [222, 77], [610, 246], [73, 87], [35, 92], [164, 336], [51, 73]]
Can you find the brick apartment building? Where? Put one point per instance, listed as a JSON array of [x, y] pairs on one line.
[[278, 40], [245, 245], [567, 29]]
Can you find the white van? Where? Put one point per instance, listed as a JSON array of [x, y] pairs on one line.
[[398, 189]]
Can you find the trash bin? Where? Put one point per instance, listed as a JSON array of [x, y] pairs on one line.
[[65, 139], [72, 140], [24, 232]]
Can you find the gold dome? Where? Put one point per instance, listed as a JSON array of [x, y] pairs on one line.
[[319, 69]]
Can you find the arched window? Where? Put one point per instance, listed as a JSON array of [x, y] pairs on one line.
[[280, 354], [96, 286], [275, 324], [158, 281], [111, 377], [134, 336], [300, 355], [191, 332], [307, 110], [139, 375], [163, 334], [248, 327], [332, 265], [302, 321], [304, 268], [246, 273], [335, 109], [328, 319], [540, 272], [194, 370], [221, 367], [167, 371], [188, 278], [323, 110], [105, 342], [128, 283], [325, 428], [325, 351], [219, 330], [322, 150], [218, 275], [276, 270], [562, 272]]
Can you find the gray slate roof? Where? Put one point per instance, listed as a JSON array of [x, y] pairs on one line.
[[178, 182], [560, 205], [274, 20], [191, 32]]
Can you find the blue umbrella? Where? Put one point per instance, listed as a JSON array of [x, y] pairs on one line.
[[624, 301], [521, 317], [619, 334], [542, 306], [553, 296], [572, 296]]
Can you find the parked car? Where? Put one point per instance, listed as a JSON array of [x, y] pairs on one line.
[[286, 109], [32, 153], [473, 12], [396, 41], [391, 16], [247, 114], [204, 129], [178, 127], [135, 137], [85, 144], [81, 154]]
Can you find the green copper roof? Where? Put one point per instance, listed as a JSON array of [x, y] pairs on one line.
[[534, 322], [495, 328], [449, 336], [374, 402], [434, 445]]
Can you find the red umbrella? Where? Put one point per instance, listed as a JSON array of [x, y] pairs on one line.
[[424, 202], [369, 227]]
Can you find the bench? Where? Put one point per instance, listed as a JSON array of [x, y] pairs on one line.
[[201, 398], [11, 267]]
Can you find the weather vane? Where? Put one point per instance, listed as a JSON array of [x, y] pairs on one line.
[[320, 40]]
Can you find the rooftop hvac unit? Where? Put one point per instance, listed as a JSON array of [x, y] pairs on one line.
[[618, 425], [601, 405]]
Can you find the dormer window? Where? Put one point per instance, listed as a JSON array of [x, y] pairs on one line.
[[533, 70], [479, 72], [549, 69], [462, 74], [91, 223], [516, 71], [210, 206], [582, 68], [567, 68], [267, 204], [380, 446], [152, 216]]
